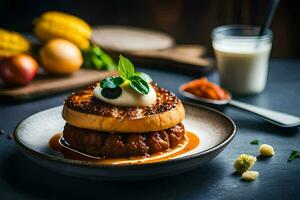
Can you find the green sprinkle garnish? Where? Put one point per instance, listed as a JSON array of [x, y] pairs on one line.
[[254, 142], [294, 155]]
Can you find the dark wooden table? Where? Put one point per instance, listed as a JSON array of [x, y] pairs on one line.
[[20, 178]]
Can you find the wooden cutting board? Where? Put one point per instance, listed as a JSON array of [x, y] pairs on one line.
[[44, 85], [153, 49], [145, 47]]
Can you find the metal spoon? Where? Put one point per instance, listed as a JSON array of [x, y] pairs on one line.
[[273, 117]]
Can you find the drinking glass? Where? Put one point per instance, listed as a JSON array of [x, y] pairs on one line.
[[242, 57]]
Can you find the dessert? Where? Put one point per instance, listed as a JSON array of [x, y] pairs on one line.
[[123, 116]]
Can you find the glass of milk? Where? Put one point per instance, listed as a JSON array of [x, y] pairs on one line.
[[242, 57]]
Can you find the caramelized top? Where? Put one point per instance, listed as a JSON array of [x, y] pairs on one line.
[[84, 101]]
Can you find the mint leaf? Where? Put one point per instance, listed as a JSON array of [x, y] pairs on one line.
[[294, 155], [144, 76], [125, 67], [139, 85], [254, 142], [111, 82], [138, 81]]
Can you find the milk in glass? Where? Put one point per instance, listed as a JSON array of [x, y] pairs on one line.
[[242, 63]]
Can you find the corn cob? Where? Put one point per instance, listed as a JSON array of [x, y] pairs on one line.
[[12, 43], [60, 25]]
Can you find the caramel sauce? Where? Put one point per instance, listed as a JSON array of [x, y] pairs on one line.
[[54, 142], [190, 142]]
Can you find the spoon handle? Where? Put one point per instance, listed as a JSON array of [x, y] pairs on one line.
[[274, 117]]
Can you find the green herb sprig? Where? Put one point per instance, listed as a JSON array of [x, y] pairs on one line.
[[294, 155], [254, 142], [96, 58], [138, 81]]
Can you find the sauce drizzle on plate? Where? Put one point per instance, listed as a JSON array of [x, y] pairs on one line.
[[190, 142]]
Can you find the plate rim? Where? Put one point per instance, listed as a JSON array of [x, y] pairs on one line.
[[89, 164]]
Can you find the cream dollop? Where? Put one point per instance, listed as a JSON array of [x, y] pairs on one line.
[[129, 97]]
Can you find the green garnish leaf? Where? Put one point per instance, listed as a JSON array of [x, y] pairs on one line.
[[139, 85], [138, 81], [144, 76], [294, 155], [111, 82], [254, 142], [95, 58], [125, 68]]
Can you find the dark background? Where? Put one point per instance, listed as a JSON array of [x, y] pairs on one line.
[[189, 21]]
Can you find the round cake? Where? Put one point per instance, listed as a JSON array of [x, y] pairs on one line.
[[123, 116]]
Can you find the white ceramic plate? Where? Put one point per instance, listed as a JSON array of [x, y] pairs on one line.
[[214, 129]]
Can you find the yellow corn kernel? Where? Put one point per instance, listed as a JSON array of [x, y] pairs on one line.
[[250, 175], [266, 150]]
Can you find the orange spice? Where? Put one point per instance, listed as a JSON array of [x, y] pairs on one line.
[[205, 89]]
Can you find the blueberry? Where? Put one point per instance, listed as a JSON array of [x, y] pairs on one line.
[[111, 93]]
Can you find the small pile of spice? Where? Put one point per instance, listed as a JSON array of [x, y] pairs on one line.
[[205, 89]]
